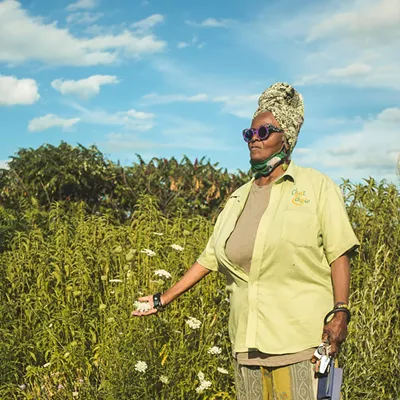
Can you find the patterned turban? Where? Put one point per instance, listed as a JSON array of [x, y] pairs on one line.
[[286, 104]]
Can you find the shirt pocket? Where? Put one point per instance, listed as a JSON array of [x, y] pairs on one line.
[[300, 228]]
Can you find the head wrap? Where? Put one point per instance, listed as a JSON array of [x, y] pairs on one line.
[[286, 104]]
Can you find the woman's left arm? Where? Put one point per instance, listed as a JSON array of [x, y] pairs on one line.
[[336, 328]]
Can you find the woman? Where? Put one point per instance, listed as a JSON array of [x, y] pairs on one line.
[[283, 241]]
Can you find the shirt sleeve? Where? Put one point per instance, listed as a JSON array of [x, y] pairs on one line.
[[207, 258], [337, 233]]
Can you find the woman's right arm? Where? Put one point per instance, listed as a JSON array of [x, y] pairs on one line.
[[194, 275]]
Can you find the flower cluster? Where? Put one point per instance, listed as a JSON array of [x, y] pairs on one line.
[[203, 383], [164, 379], [193, 323], [214, 350], [149, 252], [177, 247], [141, 306], [162, 273], [222, 370], [141, 366]]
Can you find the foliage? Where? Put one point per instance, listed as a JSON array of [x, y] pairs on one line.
[[69, 277], [67, 173]]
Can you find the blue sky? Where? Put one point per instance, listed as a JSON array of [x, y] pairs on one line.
[[168, 78]]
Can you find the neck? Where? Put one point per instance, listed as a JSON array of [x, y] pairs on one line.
[[273, 176]]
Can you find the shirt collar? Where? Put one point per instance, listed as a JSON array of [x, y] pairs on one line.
[[289, 175]]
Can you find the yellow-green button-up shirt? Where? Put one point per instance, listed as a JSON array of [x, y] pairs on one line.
[[280, 305]]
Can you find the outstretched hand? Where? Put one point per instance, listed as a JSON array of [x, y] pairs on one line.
[[141, 313]]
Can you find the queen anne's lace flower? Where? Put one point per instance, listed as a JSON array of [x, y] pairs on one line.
[[164, 379], [177, 247], [203, 383], [149, 252], [222, 370], [215, 350], [142, 306], [141, 366], [162, 273], [193, 323]]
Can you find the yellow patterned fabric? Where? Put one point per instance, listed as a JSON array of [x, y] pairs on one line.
[[291, 382], [287, 106]]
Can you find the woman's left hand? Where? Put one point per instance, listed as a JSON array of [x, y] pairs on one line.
[[335, 332]]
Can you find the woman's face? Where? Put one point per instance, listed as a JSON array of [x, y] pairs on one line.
[[260, 150]]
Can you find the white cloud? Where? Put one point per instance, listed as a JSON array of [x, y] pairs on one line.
[[24, 38], [148, 23], [17, 91], [359, 18], [83, 17], [182, 45], [174, 137], [51, 121], [84, 88], [352, 42], [192, 43], [82, 4], [4, 164], [241, 106], [352, 70], [372, 150], [131, 120], [210, 23], [154, 98]]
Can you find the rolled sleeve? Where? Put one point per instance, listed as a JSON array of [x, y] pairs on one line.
[[207, 258], [338, 236]]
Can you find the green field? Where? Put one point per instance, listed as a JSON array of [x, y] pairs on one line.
[[71, 270]]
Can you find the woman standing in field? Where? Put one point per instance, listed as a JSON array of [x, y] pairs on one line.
[[283, 241]]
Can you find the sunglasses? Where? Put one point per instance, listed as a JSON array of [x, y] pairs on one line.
[[263, 132]]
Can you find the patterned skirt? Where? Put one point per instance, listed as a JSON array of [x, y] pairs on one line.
[[292, 382]]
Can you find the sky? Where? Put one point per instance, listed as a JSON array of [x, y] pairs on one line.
[[167, 78]]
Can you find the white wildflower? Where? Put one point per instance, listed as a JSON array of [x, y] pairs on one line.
[[46, 365], [158, 233], [142, 306], [222, 370], [149, 252], [177, 247], [115, 280], [162, 273], [193, 323], [203, 383], [164, 379], [214, 350], [75, 394], [141, 366], [22, 387]]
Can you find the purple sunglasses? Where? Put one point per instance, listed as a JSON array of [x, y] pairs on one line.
[[263, 132]]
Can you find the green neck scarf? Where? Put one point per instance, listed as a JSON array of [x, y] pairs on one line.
[[264, 168]]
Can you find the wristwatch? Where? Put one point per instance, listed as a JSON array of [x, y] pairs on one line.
[[157, 304]]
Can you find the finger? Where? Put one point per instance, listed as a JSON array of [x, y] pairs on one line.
[[145, 298], [316, 366], [137, 313], [325, 337], [334, 348]]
